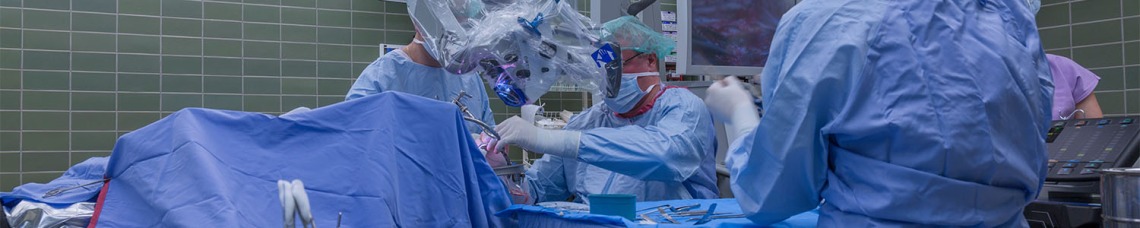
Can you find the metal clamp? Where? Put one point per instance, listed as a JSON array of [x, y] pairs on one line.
[[458, 101]]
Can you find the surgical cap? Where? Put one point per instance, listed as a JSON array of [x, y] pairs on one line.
[[631, 34]]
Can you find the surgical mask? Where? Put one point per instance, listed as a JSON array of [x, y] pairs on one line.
[[1034, 5], [630, 93], [428, 48]]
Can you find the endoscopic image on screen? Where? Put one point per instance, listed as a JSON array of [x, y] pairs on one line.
[[734, 33]]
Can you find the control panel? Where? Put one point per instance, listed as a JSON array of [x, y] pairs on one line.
[[1077, 148]]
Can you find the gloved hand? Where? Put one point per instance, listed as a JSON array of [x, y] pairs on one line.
[[519, 132], [494, 157], [731, 104]]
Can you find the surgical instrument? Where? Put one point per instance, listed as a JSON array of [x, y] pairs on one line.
[[720, 217], [471, 117], [648, 219], [646, 216], [566, 206], [684, 208], [671, 208], [666, 215], [706, 218], [696, 213], [651, 208], [57, 191]]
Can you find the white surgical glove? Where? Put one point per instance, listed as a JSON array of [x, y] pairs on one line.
[[524, 134], [731, 104]]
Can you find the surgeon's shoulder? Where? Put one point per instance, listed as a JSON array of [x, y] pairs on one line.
[[386, 65], [582, 119], [681, 96], [1056, 60], [473, 79]]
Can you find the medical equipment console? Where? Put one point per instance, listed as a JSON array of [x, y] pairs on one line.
[[1077, 148]]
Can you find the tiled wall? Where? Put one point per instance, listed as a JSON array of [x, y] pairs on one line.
[[75, 75], [1103, 36]]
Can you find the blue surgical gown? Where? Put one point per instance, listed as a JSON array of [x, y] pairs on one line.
[[666, 153], [899, 113], [396, 72]]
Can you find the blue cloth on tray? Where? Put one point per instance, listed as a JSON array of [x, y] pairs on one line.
[[536, 216]]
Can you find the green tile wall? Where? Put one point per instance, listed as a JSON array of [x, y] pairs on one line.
[[1103, 36], [76, 74]]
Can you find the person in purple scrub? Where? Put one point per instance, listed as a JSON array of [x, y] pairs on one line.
[[1073, 89]]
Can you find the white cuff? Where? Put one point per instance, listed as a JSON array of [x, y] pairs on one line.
[[561, 143]]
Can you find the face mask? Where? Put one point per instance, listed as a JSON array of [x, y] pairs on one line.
[[629, 94], [1034, 6], [427, 47]]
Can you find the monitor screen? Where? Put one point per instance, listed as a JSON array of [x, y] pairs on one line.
[[726, 37], [734, 33]]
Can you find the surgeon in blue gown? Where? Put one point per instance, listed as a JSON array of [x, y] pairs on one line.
[[894, 113], [414, 69], [652, 141]]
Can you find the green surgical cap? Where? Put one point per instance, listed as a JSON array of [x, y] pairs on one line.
[[631, 34]]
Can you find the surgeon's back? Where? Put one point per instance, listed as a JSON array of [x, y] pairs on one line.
[[900, 112]]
